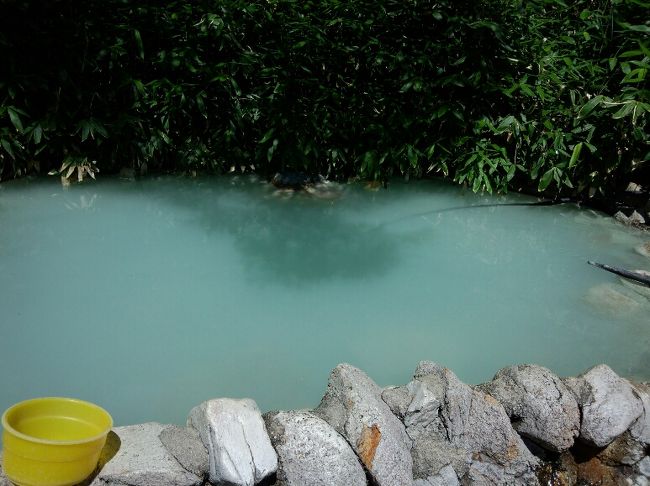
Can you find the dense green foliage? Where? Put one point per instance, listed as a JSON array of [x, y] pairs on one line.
[[495, 93]]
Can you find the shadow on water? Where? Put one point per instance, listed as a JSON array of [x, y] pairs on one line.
[[295, 241]]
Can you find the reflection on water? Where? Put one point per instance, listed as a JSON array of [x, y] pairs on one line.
[[150, 296]]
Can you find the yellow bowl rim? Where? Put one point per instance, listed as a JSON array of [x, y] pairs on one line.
[[10, 429]]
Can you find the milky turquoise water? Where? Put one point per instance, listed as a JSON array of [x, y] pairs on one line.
[[148, 297]]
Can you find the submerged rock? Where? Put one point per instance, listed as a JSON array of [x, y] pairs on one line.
[[185, 445], [644, 249], [353, 406], [539, 405], [142, 460], [453, 424], [239, 448], [612, 299], [639, 288], [311, 452], [609, 404]]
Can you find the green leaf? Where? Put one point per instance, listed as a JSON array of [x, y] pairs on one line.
[[267, 136], [589, 106], [37, 134], [575, 155], [546, 179], [625, 110], [138, 43], [505, 123], [7, 146], [15, 118]]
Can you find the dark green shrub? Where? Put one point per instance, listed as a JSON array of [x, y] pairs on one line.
[[494, 94]]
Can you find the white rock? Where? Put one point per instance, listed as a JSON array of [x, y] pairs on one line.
[[609, 404], [142, 460], [636, 218], [239, 448], [311, 452]]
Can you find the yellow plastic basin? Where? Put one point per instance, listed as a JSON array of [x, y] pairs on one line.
[[53, 441]]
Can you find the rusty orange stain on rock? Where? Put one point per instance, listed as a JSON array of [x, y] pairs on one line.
[[368, 443]]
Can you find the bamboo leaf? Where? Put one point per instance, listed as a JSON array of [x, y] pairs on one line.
[[15, 118]]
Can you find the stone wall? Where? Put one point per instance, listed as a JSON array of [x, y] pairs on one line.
[[525, 427]]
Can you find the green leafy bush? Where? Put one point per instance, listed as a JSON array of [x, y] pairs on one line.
[[494, 94]]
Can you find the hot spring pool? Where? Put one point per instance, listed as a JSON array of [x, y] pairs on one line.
[[148, 297]]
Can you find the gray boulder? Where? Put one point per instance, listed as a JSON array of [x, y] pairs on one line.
[[640, 429], [311, 452], [455, 425], [353, 406], [446, 477], [185, 445], [539, 405], [142, 460], [608, 402], [239, 448], [397, 398]]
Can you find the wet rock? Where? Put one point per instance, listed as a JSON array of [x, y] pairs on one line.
[[453, 424], [142, 460], [353, 406], [185, 445], [239, 448], [539, 405], [311, 452], [640, 429], [623, 450], [609, 404]]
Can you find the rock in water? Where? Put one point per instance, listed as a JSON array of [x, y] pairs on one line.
[[612, 300], [609, 404], [452, 424], [644, 249], [353, 406], [311, 452], [239, 448], [541, 407], [142, 460]]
